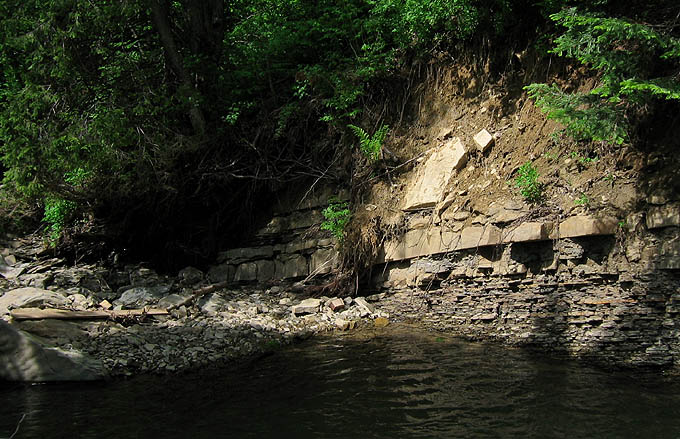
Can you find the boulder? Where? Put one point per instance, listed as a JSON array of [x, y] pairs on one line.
[[30, 297], [144, 277], [37, 280], [167, 301], [22, 359], [432, 180], [139, 297], [212, 304], [190, 276]]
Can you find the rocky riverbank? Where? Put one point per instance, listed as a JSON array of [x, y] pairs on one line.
[[225, 325]]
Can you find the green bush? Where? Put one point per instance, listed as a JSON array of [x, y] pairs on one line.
[[636, 64], [527, 183], [337, 216], [57, 214]]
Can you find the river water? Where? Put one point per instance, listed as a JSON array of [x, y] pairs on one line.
[[396, 384]]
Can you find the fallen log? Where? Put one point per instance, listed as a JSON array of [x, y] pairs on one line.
[[63, 314]]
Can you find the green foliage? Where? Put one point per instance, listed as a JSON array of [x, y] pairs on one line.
[[636, 64], [371, 146], [583, 160], [585, 116], [57, 214], [583, 200], [527, 183], [337, 216]]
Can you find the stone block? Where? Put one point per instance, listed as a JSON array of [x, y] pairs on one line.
[[342, 325], [587, 226], [336, 304], [221, 273], [246, 272], [527, 232], [304, 220], [323, 261], [292, 267], [300, 246], [381, 322], [413, 244], [307, 306], [428, 188], [479, 236], [266, 270], [273, 227], [238, 255], [503, 215], [483, 140], [663, 216], [364, 305], [670, 255]]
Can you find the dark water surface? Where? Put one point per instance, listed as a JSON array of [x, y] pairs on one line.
[[397, 385]]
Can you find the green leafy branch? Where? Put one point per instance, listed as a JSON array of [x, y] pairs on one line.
[[627, 55], [337, 216], [371, 146]]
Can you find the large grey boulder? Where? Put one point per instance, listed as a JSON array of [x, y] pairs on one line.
[[22, 359], [29, 297], [138, 297]]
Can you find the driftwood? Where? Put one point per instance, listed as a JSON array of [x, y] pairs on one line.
[[63, 314]]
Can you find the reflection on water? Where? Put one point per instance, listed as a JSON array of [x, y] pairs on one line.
[[398, 385]]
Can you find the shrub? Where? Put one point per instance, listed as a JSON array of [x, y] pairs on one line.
[[57, 213], [337, 216], [527, 183]]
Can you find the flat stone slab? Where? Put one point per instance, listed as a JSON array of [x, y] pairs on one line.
[[434, 175], [307, 306], [31, 297], [587, 226], [364, 305], [527, 232], [22, 359]]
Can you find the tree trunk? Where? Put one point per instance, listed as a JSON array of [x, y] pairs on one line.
[[159, 12]]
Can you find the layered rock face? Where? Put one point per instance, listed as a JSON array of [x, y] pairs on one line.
[[580, 282], [285, 248], [597, 284]]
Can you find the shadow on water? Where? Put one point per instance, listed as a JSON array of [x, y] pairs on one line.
[[398, 384]]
